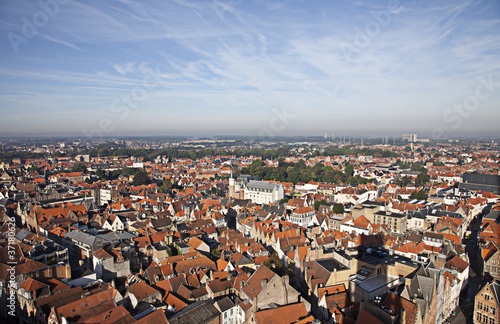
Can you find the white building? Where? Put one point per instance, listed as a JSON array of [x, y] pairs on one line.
[[261, 192], [305, 216], [230, 313]]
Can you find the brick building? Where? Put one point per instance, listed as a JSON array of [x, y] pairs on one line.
[[487, 304]]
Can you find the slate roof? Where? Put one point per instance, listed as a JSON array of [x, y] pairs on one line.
[[85, 238], [199, 312], [481, 182], [262, 185], [225, 304]]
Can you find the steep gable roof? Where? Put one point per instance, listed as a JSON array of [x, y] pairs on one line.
[[142, 290], [281, 315], [395, 303], [253, 286], [456, 263]]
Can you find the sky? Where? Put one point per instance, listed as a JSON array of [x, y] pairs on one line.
[[241, 67]]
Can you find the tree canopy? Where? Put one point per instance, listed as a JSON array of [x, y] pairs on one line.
[[338, 208], [419, 195], [140, 178]]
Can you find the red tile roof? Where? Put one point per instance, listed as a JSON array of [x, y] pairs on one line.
[[281, 315]]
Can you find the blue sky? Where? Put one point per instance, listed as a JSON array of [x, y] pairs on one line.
[[249, 67]]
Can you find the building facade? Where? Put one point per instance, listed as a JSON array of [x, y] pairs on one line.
[[486, 304], [395, 221], [261, 192]]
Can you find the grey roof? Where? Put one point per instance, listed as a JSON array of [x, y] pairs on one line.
[[21, 235], [377, 282], [277, 210], [118, 236], [493, 214], [392, 214], [262, 185], [225, 304], [244, 178], [241, 202], [244, 260], [482, 182], [5, 202], [438, 212], [331, 264], [496, 288], [199, 312], [84, 238]]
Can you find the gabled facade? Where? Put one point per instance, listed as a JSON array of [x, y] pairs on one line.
[[487, 304]]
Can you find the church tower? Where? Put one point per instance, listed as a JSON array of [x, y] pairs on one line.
[[231, 184]]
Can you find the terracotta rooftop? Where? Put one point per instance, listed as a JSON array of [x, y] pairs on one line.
[[281, 315]]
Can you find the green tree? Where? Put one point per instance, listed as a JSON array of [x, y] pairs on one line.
[[338, 208], [167, 184], [407, 149], [255, 164], [319, 203], [78, 167], [417, 166], [283, 201], [422, 179], [274, 263], [140, 178], [419, 195], [349, 170], [403, 182], [100, 173], [215, 253]]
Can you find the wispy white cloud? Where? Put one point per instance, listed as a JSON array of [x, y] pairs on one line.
[[251, 57]]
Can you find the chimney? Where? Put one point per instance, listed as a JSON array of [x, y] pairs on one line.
[[286, 280], [402, 316], [263, 283], [242, 283]]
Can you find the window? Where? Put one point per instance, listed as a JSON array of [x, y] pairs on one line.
[[492, 320], [486, 308], [478, 316], [480, 305], [493, 310]]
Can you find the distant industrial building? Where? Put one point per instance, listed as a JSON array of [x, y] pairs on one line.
[[412, 138]]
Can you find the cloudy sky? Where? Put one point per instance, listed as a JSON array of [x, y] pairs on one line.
[[277, 67]]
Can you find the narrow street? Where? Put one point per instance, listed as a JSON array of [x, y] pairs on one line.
[[466, 303]]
